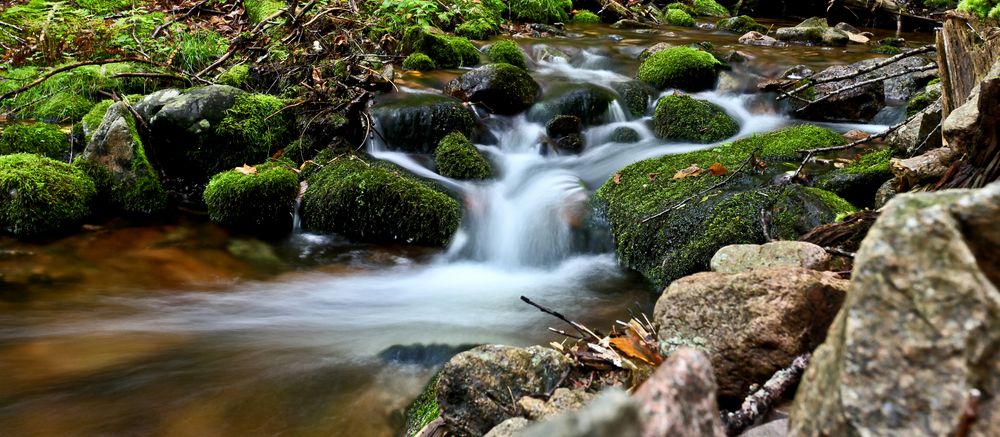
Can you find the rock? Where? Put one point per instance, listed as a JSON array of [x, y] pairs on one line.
[[424, 410], [635, 94], [477, 388], [415, 123], [562, 125], [918, 331], [753, 38], [885, 193], [847, 27], [858, 181], [423, 355], [709, 8], [655, 48], [569, 144], [741, 24], [920, 133], [757, 323], [682, 118], [739, 258], [419, 62], [631, 24], [970, 124], [774, 428], [797, 72], [679, 398], [40, 195], [508, 52], [152, 103], [500, 88], [826, 36], [677, 17], [194, 112], [545, 53], [853, 33], [588, 102], [612, 413], [683, 68], [929, 167], [456, 157], [512, 427], [260, 203], [39, 138], [733, 83], [562, 400], [624, 134]]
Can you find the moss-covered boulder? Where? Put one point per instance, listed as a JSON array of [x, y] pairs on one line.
[[683, 118], [636, 96], [38, 138], [40, 195], [423, 410], [586, 17], [507, 51], [681, 6], [478, 28], [683, 68], [813, 31], [668, 220], [499, 88], [589, 102], [740, 24], [115, 158], [236, 76], [417, 122], [457, 158], [677, 17], [625, 135], [445, 50], [709, 8], [859, 181], [419, 62], [541, 11], [258, 200], [374, 203], [93, 119]]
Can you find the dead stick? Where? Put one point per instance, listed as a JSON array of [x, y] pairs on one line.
[[760, 402], [580, 328], [873, 67], [866, 82], [56, 71], [885, 133]]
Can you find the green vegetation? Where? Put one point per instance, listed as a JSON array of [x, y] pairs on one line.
[[38, 138], [423, 410], [106, 6], [476, 19], [678, 17], [887, 50], [586, 17], [446, 51], [981, 8], [541, 11], [508, 52], [419, 62], [457, 158], [478, 29], [254, 128], [680, 67], [686, 119], [377, 204], [200, 49], [261, 202], [740, 24], [636, 95], [709, 8], [258, 10], [680, 6], [235, 76], [40, 195], [625, 135]]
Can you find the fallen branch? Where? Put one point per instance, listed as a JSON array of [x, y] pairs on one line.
[[56, 71], [152, 76], [810, 82], [856, 143], [190, 11], [760, 402], [866, 82], [579, 327]]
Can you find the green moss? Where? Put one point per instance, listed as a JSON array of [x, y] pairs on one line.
[[677, 17], [740, 24], [709, 8], [235, 76], [93, 117], [40, 195], [887, 50], [636, 96], [540, 11], [254, 127], [377, 204], [258, 10], [63, 107], [625, 135], [680, 67], [586, 17], [478, 28], [423, 410], [686, 119], [919, 102], [457, 158], [446, 51], [508, 52], [38, 138], [934, 81], [680, 6], [107, 6], [260, 203], [872, 162], [418, 62]]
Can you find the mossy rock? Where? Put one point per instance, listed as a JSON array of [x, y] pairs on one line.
[[586, 17], [423, 410], [589, 102], [457, 158], [859, 181], [709, 8], [373, 203], [740, 25], [683, 240], [677, 17], [680, 6], [478, 28], [887, 50], [508, 52], [415, 123], [40, 195], [38, 138], [93, 118], [540, 11], [260, 202], [63, 107], [419, 62], [680, 67], [236, 76], [636, 96], [683, 118], [445, 50], [625, 135], [920, 101], [501, 88]]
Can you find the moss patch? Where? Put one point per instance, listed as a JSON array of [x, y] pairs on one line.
[[478, 28], [235, 76], [254, 127], [540, 11], [458, 158], [446, 51], [677, 17], [423, 410], [740, 24], [686, 119], [586, 17], [680, 67], [887, 50], [260, 203], [508, 52], [859, 181], [38, 138], [419, 62], [709, 8], [40, 195]]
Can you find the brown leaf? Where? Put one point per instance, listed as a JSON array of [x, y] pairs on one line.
[[634, 347], [246, 169], [717, 169], [652, 176], [692, 171], [617, 179]]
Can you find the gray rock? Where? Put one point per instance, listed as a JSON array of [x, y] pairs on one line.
[[658, 47], [919, 330], [589, 102], [973, 124], [502, 88], [415, 123], [152, 103], [921, 133], [509, 428], [194, 112], [754, 38], [612, 413], [679, 398], [826, 36], [562, 400], [477, 388], [885, 193], [739, 258], [752, 324], [774, 428]]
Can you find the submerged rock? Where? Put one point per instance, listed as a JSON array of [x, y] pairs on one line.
[[423, 355], [757, 323], [739, 258], [417, 122], [501, 88], [918, 336]]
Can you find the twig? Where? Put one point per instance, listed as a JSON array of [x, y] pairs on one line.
[[12, 26], [969, 413], [56, 71], [580, 328], [810, 82], [801, 166], [564, 333], [839, 252], [751, 158], [760, 402], [885, 133], [190, 11], [866, 82]]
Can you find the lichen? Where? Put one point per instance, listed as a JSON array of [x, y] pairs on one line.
[[680, 67], [678, 17], [683, 118], [508, 52], [39, 195], [38, 138], [260, 202], [458, 158]]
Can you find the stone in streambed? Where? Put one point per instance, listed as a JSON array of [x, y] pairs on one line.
[[740, 24], [261, 202], [858, 181], [679, 398], [754, 38], [683, 118], [739, 258], [588, 102], [682, 68], [500, 88], [415, 123], [456, 157], [40, 195]]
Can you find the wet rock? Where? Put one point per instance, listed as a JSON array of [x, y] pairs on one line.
[[477, 388], [512, 427], [612, 413], [885, 193], [733, 83], [679, 398], [682, 68], [741, 25], [754, 38], [630, 24], [921, 133], [562, 125], [757, 322], [918, 331], [562, 400], [625, 134], [797, 72], [738, 258], [813, 31], [858, 181], [658, 47], [569, 144], [417, 122], [636, 96], [423, 355], [682, 118], [588, 102], [545, 53]]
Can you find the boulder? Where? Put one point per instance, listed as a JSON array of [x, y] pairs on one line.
[[456, 157], [813, 31], [920, 133], [918, 338], [39, 138], [741, 24], [259, 202], [612, 413], [679, 398], [756, 324], [415, 123], [635, 94], [658, 47], [562, 400], [507, 52], [683, 118], [739, 258], [477, 388], [588, 102], [500, 88], [682, 68], [624, 134], [858, 181], [754, 38]]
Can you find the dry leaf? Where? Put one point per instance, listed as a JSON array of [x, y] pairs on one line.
[[652, 176], [633, 346], [692, 171], [246, 169], [617, 179], [718, 169]]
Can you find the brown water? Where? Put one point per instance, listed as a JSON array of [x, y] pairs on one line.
[[183, 329]]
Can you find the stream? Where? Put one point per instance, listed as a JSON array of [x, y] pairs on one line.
[[180, 328]]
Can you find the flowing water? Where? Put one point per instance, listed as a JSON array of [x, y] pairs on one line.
[[183, 329]]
